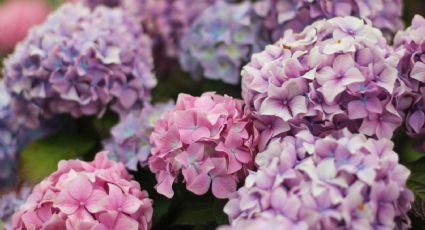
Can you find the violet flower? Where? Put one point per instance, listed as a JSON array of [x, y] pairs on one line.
[[343, 180], [337, 73]]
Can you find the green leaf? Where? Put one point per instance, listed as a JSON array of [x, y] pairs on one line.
[[40, 158], [416, 181]]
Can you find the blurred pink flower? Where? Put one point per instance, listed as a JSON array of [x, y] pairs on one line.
[[17, 17]]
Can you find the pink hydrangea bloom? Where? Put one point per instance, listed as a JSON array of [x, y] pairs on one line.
[[341, 181], [209, 139], [17, 17], [81, 195], [337, 73], [410, 45]]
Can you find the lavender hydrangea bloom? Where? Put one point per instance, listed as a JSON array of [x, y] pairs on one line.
[[220, 41], [341, 181], [337, 73], [130, 137], [167, 21], [10, 203], [79, 62], [108, 3], [410, 45], [280, 15], [264, 223], [8, 141]]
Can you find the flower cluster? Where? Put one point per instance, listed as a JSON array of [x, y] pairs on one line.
[[209, 139], [278, 16], [95, 195], [130, 137], [341, 181], [109, 3], [17, 17], [167, 21], [79, 62], [220, 41], [410, 45], [10, 203], [263, 223], [8, 141], [337, 73]]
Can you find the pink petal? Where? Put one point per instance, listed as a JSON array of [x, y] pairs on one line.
[[80, 188], [385, 130], [353, 75], [298, 105], [325, 74], [416, 121], [66, 203], [343, 62], [356, 110], [165, 186], [331, 89], [127, 98], [223, 187], [125, 222], [200, 184], [374, 105], [96, 201], [418, 72], [131, 204]]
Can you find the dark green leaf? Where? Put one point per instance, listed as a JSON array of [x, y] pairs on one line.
[[41, 157]]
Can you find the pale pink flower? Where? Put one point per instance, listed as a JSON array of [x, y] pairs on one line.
[[210, 140]]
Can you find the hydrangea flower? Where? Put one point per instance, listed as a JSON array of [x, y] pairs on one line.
[[410, 45], [210, 140], [90, 195], [281, 15], [130, 137], [135, 7], [341, 181], [80, 62], [17, 17], [263, 223], [167, 21], [337, 73], [9, 141], [10, 203], [220, 41]]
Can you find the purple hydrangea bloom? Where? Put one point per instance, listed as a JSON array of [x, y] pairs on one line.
[[410, 45], [220, 41], [10, 203], [80, 62], [130, 137], [337, 73], [341, 181], [167, 21], [108, 3], [280, 15], [9, 144], [264, 223]]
